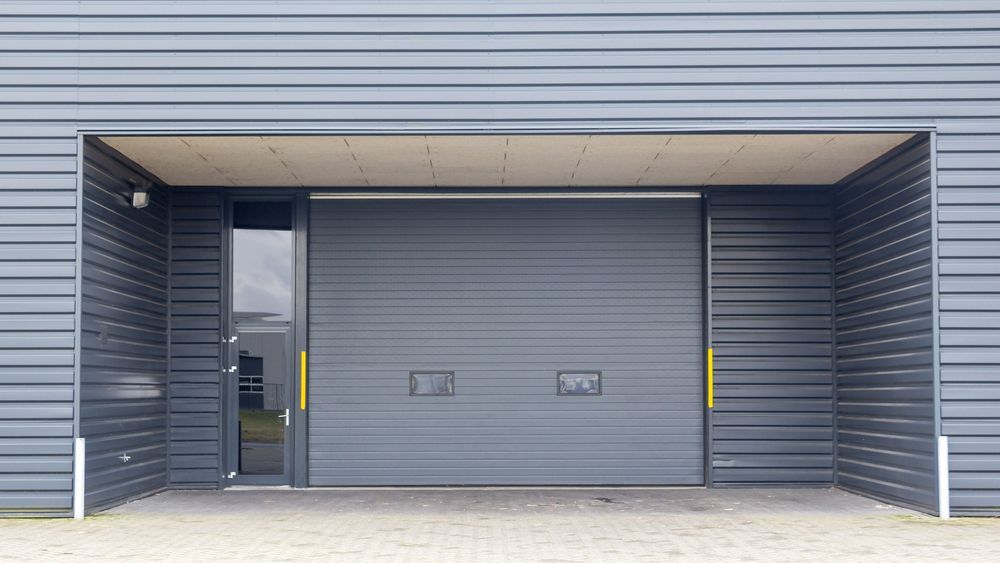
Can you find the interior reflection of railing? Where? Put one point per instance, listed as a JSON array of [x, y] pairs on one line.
[[252, 384]]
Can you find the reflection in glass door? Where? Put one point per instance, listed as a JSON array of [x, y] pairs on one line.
[[263, 400], [262, 313]]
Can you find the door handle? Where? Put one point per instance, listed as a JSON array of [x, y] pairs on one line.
[[284, 416]]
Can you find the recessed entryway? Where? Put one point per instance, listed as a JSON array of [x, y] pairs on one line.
[[567, 332]]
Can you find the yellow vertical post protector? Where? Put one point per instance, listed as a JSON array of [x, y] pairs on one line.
[[302, 381], [711, 379]]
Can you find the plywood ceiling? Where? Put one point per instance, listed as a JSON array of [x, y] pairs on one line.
[[498, 161]]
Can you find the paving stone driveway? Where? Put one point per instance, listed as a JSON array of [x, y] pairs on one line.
[[471, 525]]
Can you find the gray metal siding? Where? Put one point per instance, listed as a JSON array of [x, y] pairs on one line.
[[37, 308], [505, 294], [195, 337], [969, 285], [885, 370], [123, 377], [247, 65], [232, 64], [772, 337]]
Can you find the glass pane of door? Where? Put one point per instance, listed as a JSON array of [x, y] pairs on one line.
[[263, 256], [262, 310], [263, 390]]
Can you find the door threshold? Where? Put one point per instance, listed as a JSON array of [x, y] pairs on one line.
[[259, 488], [463, 488], [475, 488]]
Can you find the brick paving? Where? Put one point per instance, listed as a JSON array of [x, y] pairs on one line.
[[529, 525]]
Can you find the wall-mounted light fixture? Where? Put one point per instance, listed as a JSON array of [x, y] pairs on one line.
[[140, 193]]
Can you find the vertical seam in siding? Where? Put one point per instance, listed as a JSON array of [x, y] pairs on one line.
[[170, 333], [78, 283], [832, 207], [77, 316], [225, 351], [707, 324], [935, 311], [300, 459]]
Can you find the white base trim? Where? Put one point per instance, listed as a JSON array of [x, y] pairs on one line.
[[944, 492], [79, 467]]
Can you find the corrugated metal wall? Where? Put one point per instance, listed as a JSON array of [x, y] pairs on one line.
[[195, 337], [969, 265], [401, 64], [123, 364], [409, 64], [772, 337], [506, 295], [165, 65], [884, 331], [37, 306]]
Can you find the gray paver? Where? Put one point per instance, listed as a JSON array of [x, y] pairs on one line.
[[543, 525]]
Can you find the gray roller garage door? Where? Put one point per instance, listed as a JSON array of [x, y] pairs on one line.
[[505, 295]]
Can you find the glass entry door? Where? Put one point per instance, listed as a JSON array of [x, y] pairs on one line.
[[264, 400], [262, 254]]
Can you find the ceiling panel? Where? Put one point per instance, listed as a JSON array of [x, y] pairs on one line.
[[506, 160]]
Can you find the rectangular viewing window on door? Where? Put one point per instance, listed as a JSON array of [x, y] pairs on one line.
[[440, 384], [578, 383]]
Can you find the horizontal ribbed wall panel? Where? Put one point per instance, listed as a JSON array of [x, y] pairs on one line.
[[305, 64], [37, 306], [969, 267], [885, 371], [505, 295], [772, 337], [123, 378], [195, 337]]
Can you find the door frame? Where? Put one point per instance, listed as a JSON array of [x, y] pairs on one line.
[[295, 455]]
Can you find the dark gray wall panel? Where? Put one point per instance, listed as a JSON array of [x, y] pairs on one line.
[[123, 377], [772, 337], [37, 306], [884, 331], [969, 262], [505, 294], [195, 337]]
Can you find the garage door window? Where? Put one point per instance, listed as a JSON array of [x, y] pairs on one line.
[[432, 384], [579, 383]]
